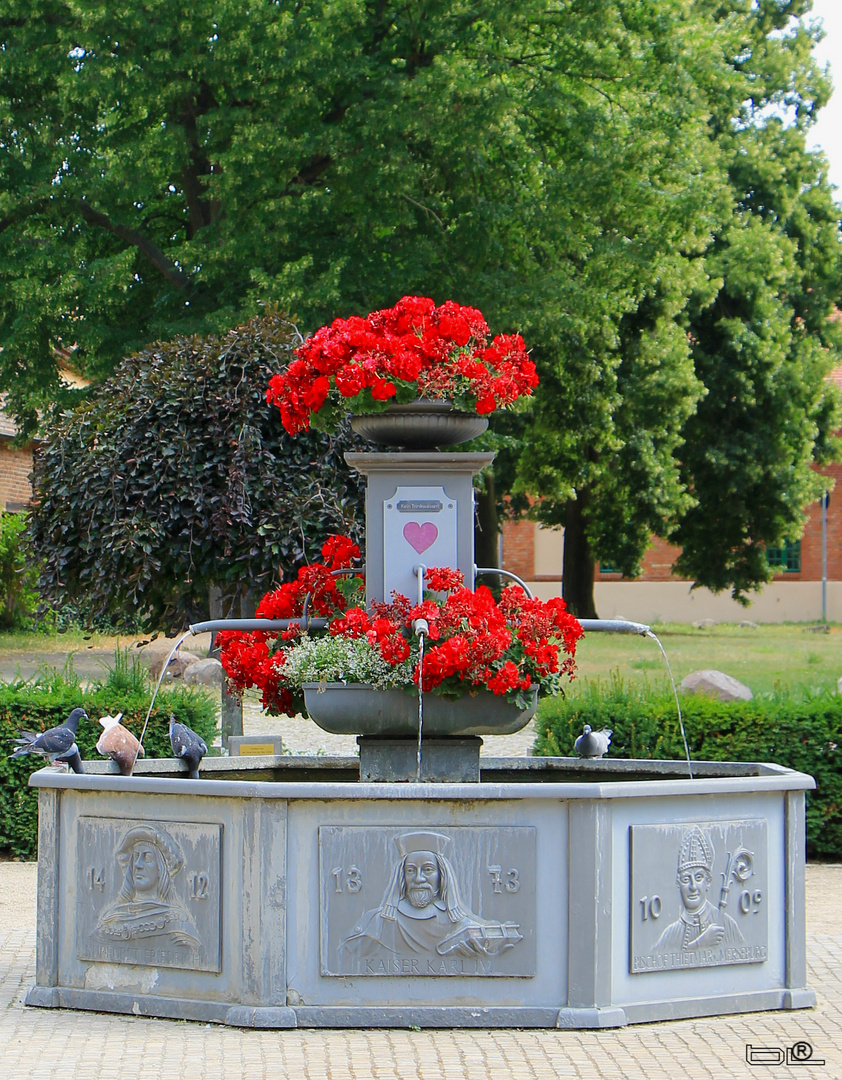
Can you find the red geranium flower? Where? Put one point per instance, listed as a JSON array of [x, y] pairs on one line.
[[473, 641], [413, 349]]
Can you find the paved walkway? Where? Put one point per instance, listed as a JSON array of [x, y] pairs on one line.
[[43, 1044]]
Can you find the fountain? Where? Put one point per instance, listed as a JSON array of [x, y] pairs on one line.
[[421, 884]]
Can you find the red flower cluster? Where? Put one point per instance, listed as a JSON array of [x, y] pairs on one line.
[[248, 662], [381, 631], [472, 642], [315, 580], [435, 352], [249, 659], [508, 646]]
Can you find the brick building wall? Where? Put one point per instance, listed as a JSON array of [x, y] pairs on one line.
[[657, 563], [519, 548], [15, 475], [811, 541]]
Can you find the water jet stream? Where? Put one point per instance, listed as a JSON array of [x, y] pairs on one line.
[[166, 664], [656, 639], [623, 626], [420, 627]]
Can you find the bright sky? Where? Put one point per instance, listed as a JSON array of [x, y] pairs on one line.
[[827, 133]]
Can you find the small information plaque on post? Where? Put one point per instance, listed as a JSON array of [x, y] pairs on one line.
[[254, 745]]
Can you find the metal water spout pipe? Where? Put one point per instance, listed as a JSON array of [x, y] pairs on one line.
[[503, 573], [303, 620], [213, 625], [614, 626]]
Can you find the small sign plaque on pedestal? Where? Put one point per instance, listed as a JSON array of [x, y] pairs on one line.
[[419, 526]]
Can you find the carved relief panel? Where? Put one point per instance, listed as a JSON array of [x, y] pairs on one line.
[[148, 892], [420, 902], [698, 895]]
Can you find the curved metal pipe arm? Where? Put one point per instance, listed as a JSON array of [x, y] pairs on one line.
[[246, 625], [504, 573], [343, 572]]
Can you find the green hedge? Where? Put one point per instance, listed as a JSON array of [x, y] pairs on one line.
[[801, 733], [37, 707]]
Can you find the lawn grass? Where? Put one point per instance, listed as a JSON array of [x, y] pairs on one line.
[[71, 641], [767, 658]]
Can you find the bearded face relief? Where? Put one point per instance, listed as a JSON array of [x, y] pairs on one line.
[[423, 878], [427, 902]]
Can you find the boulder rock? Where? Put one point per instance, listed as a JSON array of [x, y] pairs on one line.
[[704, 624], [179, 662], [716, 684], [208, 672]]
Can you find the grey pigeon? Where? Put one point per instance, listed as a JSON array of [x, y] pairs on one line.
[[56, 744], [592, 743], [187, 745]]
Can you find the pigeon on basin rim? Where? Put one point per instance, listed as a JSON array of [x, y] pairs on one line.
[[187, 745], [118, 743], [56, 744], [592, 743]]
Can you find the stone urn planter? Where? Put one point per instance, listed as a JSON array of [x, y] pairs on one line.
[[419, 425], [358, 709]]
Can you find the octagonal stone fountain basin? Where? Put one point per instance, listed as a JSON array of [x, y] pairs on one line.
[[282, 892]]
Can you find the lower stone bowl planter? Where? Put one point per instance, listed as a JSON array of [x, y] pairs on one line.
[[282, 892], [357, 709]]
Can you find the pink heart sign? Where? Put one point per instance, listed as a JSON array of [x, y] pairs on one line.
[[420, 536]]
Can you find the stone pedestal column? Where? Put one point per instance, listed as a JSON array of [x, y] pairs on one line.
[[419, 509]]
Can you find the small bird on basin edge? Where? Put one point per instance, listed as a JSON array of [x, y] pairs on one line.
[[187, 745], [118, 743], [57, 744], [592, 743]]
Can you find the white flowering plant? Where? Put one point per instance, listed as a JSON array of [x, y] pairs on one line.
[[349, 660]]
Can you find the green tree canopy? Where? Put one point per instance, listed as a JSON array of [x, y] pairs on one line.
[[587, 171], [175, 476], [166, 168], [698, 413]]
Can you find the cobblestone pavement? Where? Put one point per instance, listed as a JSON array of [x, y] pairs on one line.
[[41, 1044]]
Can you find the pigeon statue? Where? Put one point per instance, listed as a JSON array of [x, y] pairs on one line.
[[58, 744], [187, 745], [118, 743], [592, 743]]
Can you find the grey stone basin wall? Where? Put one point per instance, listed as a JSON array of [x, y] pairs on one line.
[[281, 892]]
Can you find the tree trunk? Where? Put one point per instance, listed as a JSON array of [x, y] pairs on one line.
[[487, 528], [578, 562]]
